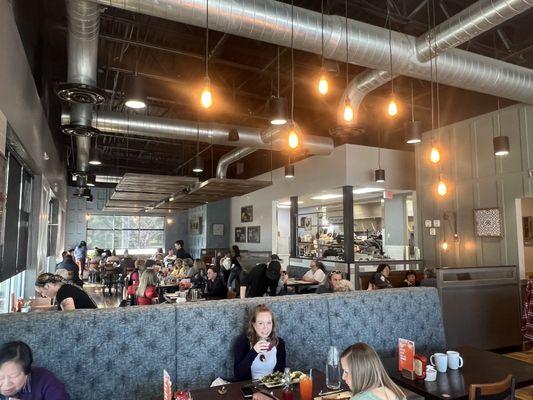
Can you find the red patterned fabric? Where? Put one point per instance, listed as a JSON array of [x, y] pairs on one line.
[[527, 313]]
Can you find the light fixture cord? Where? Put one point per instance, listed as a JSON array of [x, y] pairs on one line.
[[292, 61], [207, 38], [431, 75], [346, 32], [498, 114], [436, 68], [390, 48], [278, 73], [322, 19], [412, 103]]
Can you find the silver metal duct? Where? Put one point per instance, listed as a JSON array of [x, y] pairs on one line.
[[269, 21], [231, 157], [83, 29], [214, 133], [480, 17]]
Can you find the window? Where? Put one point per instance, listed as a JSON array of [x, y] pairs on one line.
[[138, 233]]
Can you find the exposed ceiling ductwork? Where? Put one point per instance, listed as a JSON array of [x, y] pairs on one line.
[[270, 21], [480, 17]]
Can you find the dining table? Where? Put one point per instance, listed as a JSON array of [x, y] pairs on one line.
[[479, 366], [299, 284], [233, 390]]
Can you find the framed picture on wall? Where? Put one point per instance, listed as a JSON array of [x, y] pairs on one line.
[[488, 222], [240, 234], [247, 214], [218, 229], [195, 226], [254, 234]]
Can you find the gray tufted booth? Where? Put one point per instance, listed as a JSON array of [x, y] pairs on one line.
[[120, 353]]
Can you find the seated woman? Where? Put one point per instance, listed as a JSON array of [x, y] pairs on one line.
[[365, 375], [410, 279], [215, 288], [334, 277], [20, 380], [259, 352], [380, 279], [317, 273], [178, 263], [147, 290], [67, 297]]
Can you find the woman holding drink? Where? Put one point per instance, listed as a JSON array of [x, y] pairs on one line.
[[259, 352]]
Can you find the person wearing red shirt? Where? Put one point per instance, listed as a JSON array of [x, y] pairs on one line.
[[147, 290]]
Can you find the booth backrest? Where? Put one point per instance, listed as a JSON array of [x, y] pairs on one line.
[[121, 353]]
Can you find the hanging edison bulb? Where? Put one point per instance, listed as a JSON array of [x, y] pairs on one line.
[[442, 189], [294, 140], [348, 110], [206, 98], [434, 156], [444, 245], [323, 85], [392, 108]]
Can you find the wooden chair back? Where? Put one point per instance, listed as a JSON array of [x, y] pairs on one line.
[[501, 390]]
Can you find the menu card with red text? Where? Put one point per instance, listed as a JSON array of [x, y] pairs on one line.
[[406, 355], [167, 386]]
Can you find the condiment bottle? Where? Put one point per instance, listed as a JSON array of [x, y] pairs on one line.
[[287, 389], [420, 362]]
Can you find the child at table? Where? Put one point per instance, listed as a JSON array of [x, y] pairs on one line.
[[365, 375]]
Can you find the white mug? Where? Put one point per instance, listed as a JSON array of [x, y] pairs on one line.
[[431, 374], [439, 361], [455, 361]]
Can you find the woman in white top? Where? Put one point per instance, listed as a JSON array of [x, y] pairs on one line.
[[317, 273]]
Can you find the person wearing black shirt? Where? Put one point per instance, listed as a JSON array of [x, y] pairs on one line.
[[71, 267], [215, 288], [180, 251], [263, 279], [68, 297], [380, 279]]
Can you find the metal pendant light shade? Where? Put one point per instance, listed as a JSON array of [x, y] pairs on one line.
[[94, 156], [135, 97], [501, 145], [233, 135], [91, 180], [379, 175], [413, 132], [278, 111], [198, 165], [289, 171]]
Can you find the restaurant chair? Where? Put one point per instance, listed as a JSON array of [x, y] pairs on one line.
[[501, 390], [110, 278]]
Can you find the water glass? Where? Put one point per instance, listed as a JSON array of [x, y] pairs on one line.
[[333, 369]]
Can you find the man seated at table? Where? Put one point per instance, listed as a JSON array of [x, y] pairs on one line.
[[263, 279], [334, 277], [215, 288]]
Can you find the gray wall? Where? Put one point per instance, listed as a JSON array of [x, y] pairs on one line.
[[218, 213], [476, 179], [395, 219]]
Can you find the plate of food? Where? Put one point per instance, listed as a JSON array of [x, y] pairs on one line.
[[275, 379]]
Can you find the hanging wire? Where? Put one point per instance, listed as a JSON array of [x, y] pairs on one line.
[[278, 73], [292, 61], [206, 37], [412, 103], [436, 67], [390, 48], [346, 32], [322, 19]]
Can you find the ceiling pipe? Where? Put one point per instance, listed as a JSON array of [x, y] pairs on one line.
[[231, 157], [479, 18], [212, 133], [269, 21], [83, 29]]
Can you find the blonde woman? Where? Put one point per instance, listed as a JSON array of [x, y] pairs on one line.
[[147, 290], [178, 264], [365, 375]]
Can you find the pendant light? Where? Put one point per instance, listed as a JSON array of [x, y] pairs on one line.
[[323, 85], [392, 107], [293, 139], [434, 155], [348, 109], [198, 165], [289, 170], [135, 98], [500, 143], [379, 174], [206, 98], [278, 105], [413, 129], [94, 155], [444, 244], [442, 189], [233, 135]]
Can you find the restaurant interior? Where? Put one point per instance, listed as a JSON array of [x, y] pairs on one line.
[[266, 199]]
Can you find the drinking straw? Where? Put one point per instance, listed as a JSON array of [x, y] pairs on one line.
[[311, 373]]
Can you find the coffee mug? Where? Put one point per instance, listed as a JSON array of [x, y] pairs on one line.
[[439, 361], [455, 361], [431, 374]]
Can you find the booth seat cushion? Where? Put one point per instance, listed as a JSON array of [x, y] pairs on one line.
[[296, 271], [380, 317], [210, 329]]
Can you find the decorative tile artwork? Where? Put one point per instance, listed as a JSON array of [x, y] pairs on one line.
[[488, 222]]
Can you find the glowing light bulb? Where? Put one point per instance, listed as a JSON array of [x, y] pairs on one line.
[[444, 245], [434, 156], [294, 140], [392, 108], [206, 98], [348, 111], [442, 189], [323, 85]]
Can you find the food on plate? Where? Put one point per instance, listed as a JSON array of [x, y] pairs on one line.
[[337, 396]]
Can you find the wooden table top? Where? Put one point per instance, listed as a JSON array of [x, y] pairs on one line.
[[480, 366]]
